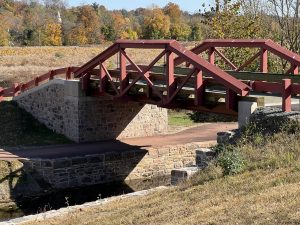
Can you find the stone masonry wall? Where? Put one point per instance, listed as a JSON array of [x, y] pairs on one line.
[[112, 166], [64, 108]]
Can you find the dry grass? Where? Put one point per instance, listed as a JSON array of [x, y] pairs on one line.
[[267, 192], [21, 64], [259, 197]]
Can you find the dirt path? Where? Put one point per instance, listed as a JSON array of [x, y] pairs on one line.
[[205, 133]]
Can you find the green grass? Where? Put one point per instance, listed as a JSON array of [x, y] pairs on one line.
[[19, 128], [180, 119]]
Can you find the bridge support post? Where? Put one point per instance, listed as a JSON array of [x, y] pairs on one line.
[[231, 100], [264, 61], [245, 111], [211, 55], [124, 82], [199, 89], [102, 79], [287, 95], [171, 82]]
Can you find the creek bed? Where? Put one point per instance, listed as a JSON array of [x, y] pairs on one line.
[[75, 196]]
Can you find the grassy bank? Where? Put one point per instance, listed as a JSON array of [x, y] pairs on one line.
[[19, 128], [254, 181]]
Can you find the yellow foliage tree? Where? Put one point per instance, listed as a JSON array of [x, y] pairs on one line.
[[129, 34], [4, 32], [52, 34], [156, 24]]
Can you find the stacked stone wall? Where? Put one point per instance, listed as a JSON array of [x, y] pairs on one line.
[[64, 108], [113, 166]]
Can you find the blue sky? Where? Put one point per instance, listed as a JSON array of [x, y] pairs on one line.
[[187, 5]]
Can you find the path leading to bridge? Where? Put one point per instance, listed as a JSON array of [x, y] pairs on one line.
[[206, 134]]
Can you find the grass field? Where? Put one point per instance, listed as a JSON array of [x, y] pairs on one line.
[[21, 64]]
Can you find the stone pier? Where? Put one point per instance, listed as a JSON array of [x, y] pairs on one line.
[[63, 107]]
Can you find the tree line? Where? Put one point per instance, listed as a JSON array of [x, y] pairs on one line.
[[50, 22]]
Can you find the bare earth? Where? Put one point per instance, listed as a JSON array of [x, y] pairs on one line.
[[206, 134]]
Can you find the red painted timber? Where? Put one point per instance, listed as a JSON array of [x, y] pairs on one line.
[[221, 76], [262, 86], [287, 95]]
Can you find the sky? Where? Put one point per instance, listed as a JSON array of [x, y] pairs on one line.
[[186, 5]]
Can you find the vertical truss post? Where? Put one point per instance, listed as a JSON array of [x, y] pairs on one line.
[[68, 73], [199, 89], [149, 89], [211, 55], [85, 81], [1, 94], [263, 61], [171, 82], [51, 75], [231, 100], [295, 70], [287, 95], [102, 79], [15, 88], [124, 81], [36, 81]]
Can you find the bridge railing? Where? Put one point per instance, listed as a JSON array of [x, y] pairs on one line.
[[264, 46], [18, 88], [170, 49]]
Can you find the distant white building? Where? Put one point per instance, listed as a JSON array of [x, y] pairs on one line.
[[59, 17]]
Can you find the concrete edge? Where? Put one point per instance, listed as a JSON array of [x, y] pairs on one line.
[[70, 209], [51, 82]]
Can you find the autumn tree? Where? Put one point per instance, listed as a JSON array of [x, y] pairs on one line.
[[87, 29], [287, 14], [156, 24], [52, 34]]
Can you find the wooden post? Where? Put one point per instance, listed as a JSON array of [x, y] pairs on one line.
[[211, 55], [171, 83], [199, 89], [264, 61], [287, 95], [124, 81], [102, 79], [231, 100]]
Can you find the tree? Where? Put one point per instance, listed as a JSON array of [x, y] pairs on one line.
[[173, 11], [87, 29], [52, 34], [156, 24], [180, 31], [287, 14]]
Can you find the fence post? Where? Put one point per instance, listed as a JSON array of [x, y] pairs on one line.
[[199, 89], [264, 61], [171, 82], [287, 95], [211, 55]]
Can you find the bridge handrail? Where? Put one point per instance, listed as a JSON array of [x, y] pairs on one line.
[[263, 44], [18, 88]]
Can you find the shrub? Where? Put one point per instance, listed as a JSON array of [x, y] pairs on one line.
[[231, 162]]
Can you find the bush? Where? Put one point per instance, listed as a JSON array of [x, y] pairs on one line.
[[211, 117], [231, 162]]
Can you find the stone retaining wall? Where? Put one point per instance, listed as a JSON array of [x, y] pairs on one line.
[[63, 107], [112, 166]]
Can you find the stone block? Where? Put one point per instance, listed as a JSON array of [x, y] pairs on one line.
[[203, 156], [245, 110], [179, 175], [225, 137], [73, 88]]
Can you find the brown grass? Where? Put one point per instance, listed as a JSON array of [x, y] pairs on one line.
[[268, 192], [21, 64], [258, 197]]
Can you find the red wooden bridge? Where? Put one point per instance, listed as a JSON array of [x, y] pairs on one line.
[[186, 79]]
